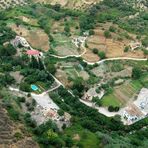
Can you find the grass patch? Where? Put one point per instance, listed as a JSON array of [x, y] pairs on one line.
[[110, 100], [86, 139]]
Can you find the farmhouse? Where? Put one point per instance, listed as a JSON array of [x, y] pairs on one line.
[[134, 45], [138, 109], [142, 101], [132, 114], [20, 41], [92, 93]]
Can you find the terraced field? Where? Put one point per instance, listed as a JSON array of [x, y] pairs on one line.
[[11, 136], [122, 94]]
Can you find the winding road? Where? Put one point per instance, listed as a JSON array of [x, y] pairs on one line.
[[101, 61]]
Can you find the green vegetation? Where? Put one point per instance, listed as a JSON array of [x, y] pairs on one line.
[[110, 100], [82, 137], [86, 121]]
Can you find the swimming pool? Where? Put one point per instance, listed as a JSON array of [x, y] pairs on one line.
[[34, 87]]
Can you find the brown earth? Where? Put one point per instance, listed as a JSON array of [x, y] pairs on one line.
[[112, 46], [36, 37]]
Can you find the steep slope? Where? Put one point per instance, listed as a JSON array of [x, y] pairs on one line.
[[12, 135], [75, 4]]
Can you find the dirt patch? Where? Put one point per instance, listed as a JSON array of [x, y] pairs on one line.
[[17, 76], [90, 56], [36, 37]]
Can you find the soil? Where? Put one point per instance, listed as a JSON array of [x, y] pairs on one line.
[[111, 46], [35, 36]]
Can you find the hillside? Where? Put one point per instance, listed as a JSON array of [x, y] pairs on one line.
[[74, 4], [74, 74]]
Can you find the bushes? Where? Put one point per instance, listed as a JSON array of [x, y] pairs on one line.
[[126, 49], [13, 113], [25, 87], [113, 109], [95, 50], [21, 99], [136, 73], [145, 42], [102, 55]]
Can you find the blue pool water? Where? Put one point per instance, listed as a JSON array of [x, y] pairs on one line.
[[34, 87]]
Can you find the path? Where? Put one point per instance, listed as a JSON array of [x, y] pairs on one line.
[[101, 110], [101, 61]]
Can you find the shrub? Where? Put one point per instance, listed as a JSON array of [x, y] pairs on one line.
[[112, 29], [21, 99], [107, 34], [95, 50], [126, 49], [102, 54]]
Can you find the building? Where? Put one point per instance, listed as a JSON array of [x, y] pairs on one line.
[[35, 53], [20, 41], [135, 45]]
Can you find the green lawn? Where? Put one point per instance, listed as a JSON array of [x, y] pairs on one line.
[[110, 100], [86, 138]]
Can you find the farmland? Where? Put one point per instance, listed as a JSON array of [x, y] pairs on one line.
[[73, 73], [122, 94], [37, 37]]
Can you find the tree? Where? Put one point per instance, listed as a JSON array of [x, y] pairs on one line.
[[25, 87], [56, 7], [51, 68], [113, 109], [78, 84], [95, 50], [60, 112], [102, 54], [126, 49], [107, 34], [145, 42], [136, 73]]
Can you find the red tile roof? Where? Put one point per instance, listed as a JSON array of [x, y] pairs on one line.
[[32, 52]]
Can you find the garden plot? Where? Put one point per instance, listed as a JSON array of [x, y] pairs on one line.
[[123, 94], [35, 36], [64, 46]]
